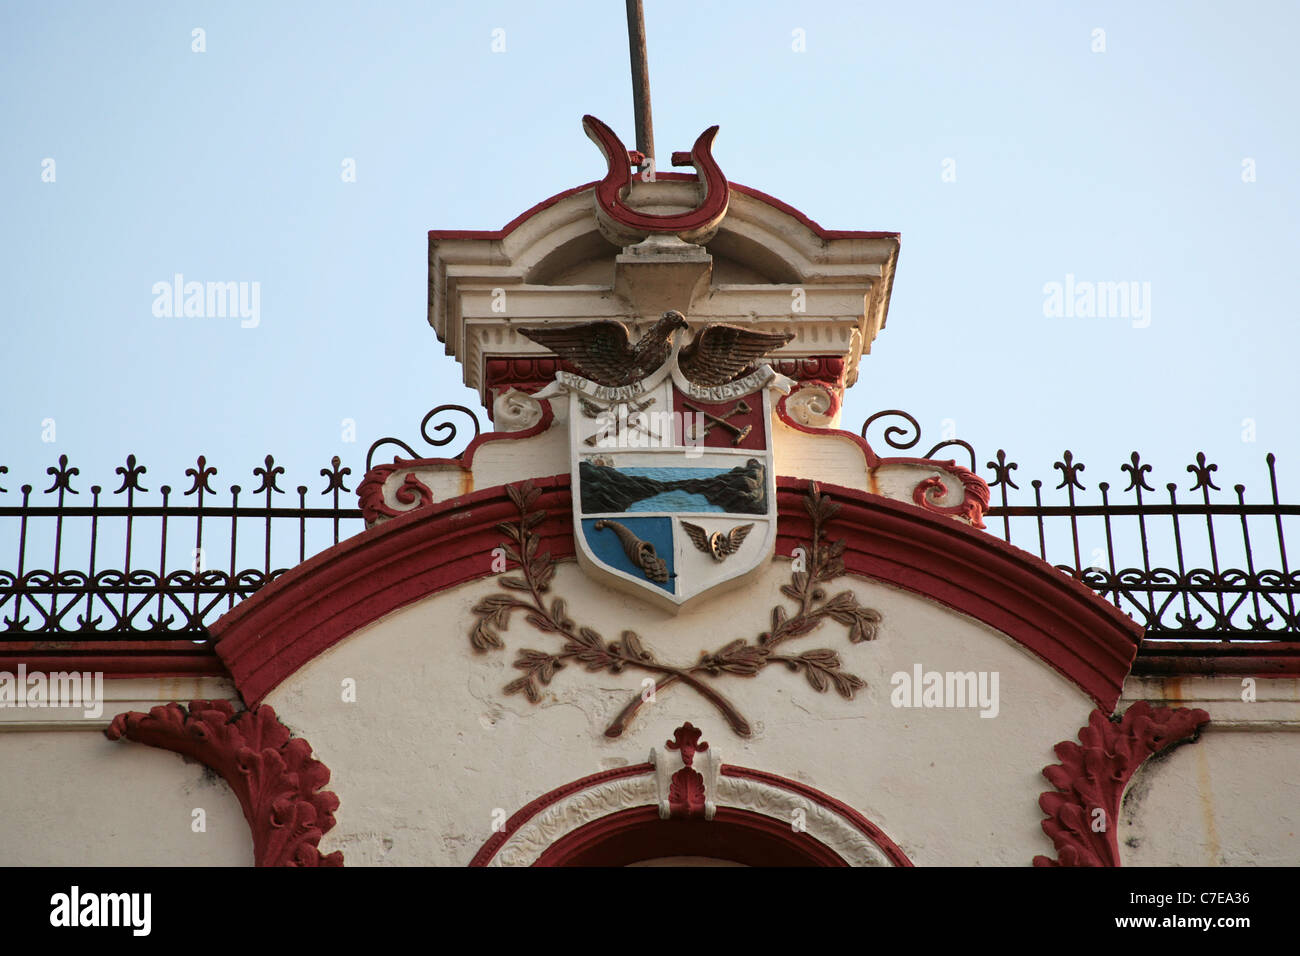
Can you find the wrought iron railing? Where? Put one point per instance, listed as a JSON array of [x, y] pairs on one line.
[[140, 571], [1204, 577], [134, 571]]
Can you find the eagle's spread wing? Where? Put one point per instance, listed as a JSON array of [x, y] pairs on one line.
[[601, 351], [721, 352], [697, 534], [737, 535]]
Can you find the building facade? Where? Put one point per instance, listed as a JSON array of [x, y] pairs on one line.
[[667, 612]]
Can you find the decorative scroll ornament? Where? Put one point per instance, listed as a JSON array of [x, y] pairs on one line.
[[274, 776], [623, 225], [974, 497], [515, 411], [527, 591], [1083, 810], [813, 405]]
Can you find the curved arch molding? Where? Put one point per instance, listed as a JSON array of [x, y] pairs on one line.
[[441, 545], [560, 826]]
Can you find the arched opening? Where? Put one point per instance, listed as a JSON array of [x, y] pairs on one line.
[[733, 836]]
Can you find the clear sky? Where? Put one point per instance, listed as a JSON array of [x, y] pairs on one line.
[[1122, 165]]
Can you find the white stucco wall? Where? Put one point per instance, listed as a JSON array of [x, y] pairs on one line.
[[1233, 797], [73, 798]]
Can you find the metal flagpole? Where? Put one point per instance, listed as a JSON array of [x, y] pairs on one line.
[[645, 136]]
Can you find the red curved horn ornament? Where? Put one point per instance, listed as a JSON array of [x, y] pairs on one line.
[[625, 225]]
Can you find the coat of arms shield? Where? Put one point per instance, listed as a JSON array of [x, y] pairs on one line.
[[674, 493]]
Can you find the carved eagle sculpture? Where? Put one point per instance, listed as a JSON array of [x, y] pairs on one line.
[[603, 351], [719, 352]]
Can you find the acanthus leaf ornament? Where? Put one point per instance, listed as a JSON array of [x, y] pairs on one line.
[[273, 774], [687, 790], [1083, 808]]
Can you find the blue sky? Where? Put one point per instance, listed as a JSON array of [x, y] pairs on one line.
[[1122, 165]]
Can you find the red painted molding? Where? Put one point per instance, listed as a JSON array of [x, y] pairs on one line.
[[114, 659], [1093, 776], [527, 373], [273, 774], [739, 836], [640, 833], [814, 227], [1242, 659], [312, 607], [825, 370]]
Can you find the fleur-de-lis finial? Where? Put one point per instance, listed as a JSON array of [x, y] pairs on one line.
[[1137, 473], [1069, 471], [200, 474], [334, 475], [130, 475], [62, 476], [686, 738], [1002, 471], [268, 475], [1202, 472]]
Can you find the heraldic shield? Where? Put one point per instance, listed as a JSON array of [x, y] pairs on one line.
[[673, 484]]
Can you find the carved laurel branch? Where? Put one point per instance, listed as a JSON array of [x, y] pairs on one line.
[[822, 562]]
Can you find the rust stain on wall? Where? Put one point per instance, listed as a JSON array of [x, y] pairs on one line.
[[1207, 805]]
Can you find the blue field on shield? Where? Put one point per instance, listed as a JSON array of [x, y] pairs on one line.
[[609, 548]]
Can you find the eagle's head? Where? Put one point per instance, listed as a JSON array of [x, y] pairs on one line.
[[672, 321]]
